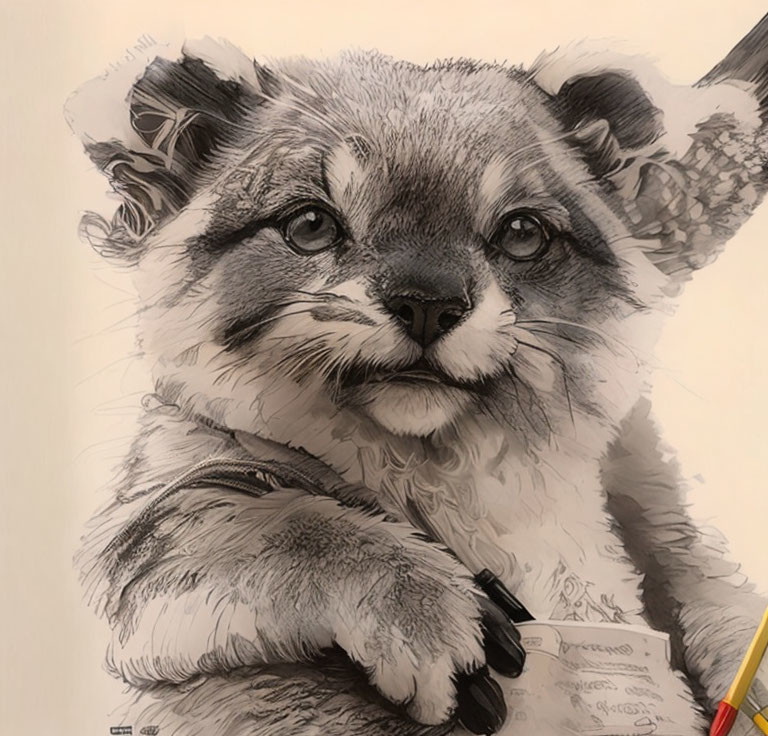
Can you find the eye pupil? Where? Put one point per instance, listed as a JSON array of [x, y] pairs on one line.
[[521, 237], [312, 231]]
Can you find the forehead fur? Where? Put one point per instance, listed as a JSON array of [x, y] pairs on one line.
[[393, 106]]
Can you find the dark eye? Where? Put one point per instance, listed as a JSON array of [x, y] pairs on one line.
[[312, 230], [521, 236]]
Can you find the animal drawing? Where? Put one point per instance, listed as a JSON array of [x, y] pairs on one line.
[[399, 319]]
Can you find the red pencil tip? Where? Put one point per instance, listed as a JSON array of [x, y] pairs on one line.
[[726, 715]]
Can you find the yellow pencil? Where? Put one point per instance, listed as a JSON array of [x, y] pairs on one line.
[[730, 704], [757, 714]]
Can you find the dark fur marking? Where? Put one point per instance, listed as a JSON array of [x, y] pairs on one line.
[[332, 313]]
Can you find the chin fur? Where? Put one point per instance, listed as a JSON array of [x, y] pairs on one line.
[[412, 410]]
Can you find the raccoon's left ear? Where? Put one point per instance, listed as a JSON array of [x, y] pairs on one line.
[[156, 143], [685, 165]]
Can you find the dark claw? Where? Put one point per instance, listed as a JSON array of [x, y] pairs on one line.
[[481, 707], [503, 650], [494, 617], [506, 658]]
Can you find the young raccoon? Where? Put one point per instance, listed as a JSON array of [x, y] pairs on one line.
[[442, 284]]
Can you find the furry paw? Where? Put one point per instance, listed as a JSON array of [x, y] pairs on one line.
[[424, 635]]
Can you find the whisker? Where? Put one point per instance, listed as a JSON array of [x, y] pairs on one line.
[[241, 334], [630, 236], [517, 382], [274, 318], [604, 337], [566, 338], [300, 353], [308, 91], [564, 371], [294, 104], [322, 295], [538, 144]]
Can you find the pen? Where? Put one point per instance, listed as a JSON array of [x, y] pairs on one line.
[[502, 597], [730, 704]]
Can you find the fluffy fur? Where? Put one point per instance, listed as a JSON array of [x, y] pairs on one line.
[[518, 440]]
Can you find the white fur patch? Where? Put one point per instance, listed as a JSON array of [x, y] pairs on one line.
[[157, 277], [355, 290], [495, 178], [224, 58], [479, 346], [344, 173], [413, 410]]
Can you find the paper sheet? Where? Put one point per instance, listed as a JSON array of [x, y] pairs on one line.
[[597, 679]]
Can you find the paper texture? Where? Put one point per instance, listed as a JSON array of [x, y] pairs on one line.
[[596, 679]]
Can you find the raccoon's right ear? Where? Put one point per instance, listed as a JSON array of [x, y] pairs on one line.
[[686, 166], [603, 103], [609, 115], [179, 114]]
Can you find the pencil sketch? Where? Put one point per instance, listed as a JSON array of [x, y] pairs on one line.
[[400, 320]]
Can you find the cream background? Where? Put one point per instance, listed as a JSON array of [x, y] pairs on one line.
[[69, 394]]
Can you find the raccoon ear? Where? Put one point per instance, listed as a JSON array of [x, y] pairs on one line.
[[686, 166], [610, 116], [179, 113], [603, 103]]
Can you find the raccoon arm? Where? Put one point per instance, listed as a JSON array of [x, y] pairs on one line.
[[214, 580], [690, 589]]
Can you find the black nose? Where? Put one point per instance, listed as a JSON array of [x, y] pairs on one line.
[[427, 319]]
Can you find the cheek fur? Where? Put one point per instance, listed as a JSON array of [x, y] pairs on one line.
[[300, 345], [341, 326]]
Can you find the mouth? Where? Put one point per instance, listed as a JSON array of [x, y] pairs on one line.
[[421, 374]]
